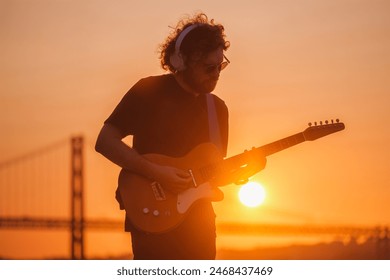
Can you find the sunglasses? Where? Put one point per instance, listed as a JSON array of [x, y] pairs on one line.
[[211, 68]]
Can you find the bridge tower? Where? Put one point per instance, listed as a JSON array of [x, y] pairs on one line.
[[77, 198]]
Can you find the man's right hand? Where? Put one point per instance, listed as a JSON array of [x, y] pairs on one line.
[[171, 178]]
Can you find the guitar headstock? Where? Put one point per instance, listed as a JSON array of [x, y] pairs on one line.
[[321, 129]]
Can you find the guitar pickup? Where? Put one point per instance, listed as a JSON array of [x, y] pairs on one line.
[[158, 191]]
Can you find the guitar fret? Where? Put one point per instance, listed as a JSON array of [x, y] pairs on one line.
[[283, 144]]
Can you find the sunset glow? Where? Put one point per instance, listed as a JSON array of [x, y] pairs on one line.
[[65, 65], [252, 194]]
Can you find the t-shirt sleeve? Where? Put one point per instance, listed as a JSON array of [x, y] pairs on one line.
[[127, 115]]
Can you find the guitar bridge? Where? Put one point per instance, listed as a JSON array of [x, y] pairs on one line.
[[158, 191]]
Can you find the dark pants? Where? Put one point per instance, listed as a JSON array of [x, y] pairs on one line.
[[194, 239]]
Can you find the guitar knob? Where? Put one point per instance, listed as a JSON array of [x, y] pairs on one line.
[[145, 210], [156, 213]]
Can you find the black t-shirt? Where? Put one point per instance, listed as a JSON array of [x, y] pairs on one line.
[[165, 119]]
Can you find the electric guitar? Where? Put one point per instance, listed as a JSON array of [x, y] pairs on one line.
[[152, 209]]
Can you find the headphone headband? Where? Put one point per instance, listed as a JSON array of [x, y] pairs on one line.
[[176, 58], [182, 35]]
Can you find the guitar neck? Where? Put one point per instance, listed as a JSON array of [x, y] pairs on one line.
[[266, 150], [235, 162], [282, 144]]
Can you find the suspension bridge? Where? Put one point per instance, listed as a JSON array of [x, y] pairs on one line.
[[46, 189]]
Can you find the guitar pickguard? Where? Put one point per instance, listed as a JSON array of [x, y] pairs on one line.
[[186, 198]]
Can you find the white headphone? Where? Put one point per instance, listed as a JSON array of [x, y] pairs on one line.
[[176, 59]]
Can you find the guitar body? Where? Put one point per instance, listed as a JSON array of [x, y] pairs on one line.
[[153, 209]]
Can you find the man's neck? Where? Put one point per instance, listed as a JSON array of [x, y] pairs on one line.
[[180, 80]]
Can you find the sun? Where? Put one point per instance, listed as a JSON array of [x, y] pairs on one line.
[[252, 194]]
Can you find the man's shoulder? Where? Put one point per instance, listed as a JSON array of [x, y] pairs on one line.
[[153, 82], [150, 86]]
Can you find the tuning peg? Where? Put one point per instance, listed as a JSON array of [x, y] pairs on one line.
[[326, 122], [337, 120], [310, 124], [315, 123], [320, 122], [332, 120]]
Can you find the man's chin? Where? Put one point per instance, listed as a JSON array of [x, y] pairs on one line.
[[209, 87], [206, 86]]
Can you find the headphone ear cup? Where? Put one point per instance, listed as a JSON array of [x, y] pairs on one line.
[[176, 59], [177, 62]]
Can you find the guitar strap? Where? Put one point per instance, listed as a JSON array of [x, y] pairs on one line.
[[214, 131]]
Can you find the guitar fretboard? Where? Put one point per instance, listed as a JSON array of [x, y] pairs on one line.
[[231, 164], [283, 144]]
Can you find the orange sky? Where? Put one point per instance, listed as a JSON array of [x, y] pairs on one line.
[[65, 65]]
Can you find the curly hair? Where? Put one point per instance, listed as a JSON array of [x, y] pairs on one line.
[[203, 39]]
